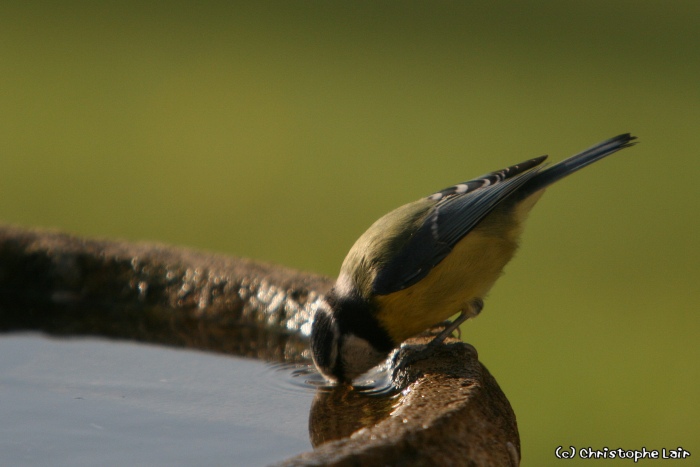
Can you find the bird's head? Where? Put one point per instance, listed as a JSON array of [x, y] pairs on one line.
[[340, 350]]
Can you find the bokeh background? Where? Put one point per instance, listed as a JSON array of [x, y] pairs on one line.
[[280, 130]]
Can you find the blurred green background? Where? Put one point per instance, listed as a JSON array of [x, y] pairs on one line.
[[281, 130]]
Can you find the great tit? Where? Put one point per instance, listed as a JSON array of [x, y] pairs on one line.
[[428, 260]]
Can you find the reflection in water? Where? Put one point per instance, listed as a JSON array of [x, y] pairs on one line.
[[159, 325], [339, 411], [305, 376]]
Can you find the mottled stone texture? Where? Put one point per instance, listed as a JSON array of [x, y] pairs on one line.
[[65, 285], [450, 411]]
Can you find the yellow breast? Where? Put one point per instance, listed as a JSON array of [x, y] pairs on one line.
[[468, 272]]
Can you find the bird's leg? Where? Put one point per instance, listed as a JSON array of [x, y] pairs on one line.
[[474, 308]]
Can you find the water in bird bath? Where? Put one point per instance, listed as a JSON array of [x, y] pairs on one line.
[[80, 402]]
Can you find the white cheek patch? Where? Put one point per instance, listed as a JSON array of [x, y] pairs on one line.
[[343, 286], [359, 356], [324, 339]]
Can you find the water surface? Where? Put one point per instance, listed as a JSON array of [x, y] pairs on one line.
[[80, 402]]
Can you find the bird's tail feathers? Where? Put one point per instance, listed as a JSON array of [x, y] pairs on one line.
[[572, 164]]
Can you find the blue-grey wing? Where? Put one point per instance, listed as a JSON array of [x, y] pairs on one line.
[[458, 210]]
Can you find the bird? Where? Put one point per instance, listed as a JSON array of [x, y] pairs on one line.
[[428, 260]]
